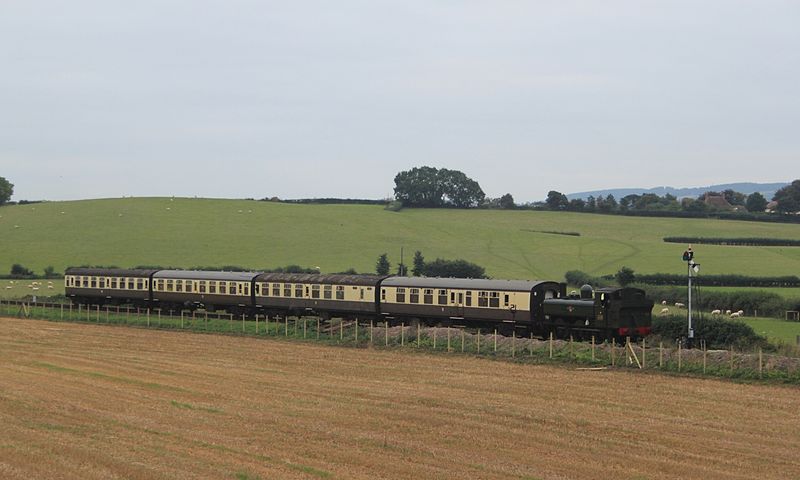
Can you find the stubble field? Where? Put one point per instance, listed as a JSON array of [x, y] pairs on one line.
[[87, 401]]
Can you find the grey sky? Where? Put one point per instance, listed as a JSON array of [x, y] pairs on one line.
[[319, 98]]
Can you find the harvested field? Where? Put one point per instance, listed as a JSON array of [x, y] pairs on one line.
[[89, 401]]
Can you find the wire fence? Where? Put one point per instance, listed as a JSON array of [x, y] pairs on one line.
[[590, 355]]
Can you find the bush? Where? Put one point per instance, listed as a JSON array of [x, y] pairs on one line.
[[717, 332], [18, 271], [453, 268]]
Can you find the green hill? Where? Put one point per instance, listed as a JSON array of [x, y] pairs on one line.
[[510, 244]]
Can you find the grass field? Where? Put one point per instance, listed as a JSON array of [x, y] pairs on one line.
[[192, 232], [90, 401]]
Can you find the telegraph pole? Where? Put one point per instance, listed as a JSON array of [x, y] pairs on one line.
[[688, 257]]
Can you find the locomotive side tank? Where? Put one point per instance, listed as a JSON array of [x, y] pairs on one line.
[[603, 313]]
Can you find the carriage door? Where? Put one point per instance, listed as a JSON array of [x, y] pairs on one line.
[[459, 301]]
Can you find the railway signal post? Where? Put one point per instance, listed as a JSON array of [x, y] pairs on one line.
[[691, 266]]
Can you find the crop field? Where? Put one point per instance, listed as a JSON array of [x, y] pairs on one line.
[[90, 401], [510, 244]]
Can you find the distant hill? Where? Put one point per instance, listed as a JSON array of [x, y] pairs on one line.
[[766, 189]]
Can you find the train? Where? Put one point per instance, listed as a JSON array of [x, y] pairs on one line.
[[520, 307]]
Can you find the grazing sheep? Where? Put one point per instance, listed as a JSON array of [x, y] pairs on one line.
[[741, 313], [8, 287], [664, 311], [679, 305], [716, 312], [663, 302], [735, 315], [727, 312], [50, 287]]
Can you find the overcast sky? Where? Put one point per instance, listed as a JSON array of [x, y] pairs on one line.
[[318, 98]]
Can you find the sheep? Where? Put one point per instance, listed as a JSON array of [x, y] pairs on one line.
[[727, 312], [735, 315], [741, 313], [664, 311], [679, 305], [9, 287], [663, 302], [716, 312], [49, 287]]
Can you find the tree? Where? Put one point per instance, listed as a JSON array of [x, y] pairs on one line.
[[18, 271], [556, 200], [625, 276], [419, 264], [454, 268], [733, 197], [402, 270], [507, 201], [788, 198], [756, 202], [383, 265], [6, 190], [576, 204], [432, 187]]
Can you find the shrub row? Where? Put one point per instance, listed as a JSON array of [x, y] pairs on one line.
[[577, 277], [752, 241], [767, 304], [717, 332]]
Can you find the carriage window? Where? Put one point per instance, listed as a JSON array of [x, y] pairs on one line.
[[232, 288], [276, 289], [469, 298], [178, 285], [483, 299], [494, 299], [383, 294], [287, 289], [201, 286], [94, 283], [139, 284], [315, 291], [130, 284], [102, 283], [400, 295], [328, 291], [86, 282], [442, 297], [505, 300], [298, 290], [223, 288], [413, 295], [427, 296], [189, 286], [160, 285], [170, 285], [339, 292], [247, 289]]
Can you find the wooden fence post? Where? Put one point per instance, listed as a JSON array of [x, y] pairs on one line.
[[107, 313], [571, 348], [448, 338], [403, 334], [513, 343], [341, 329], [531, 349], [679, 356], [660, 354], [386, 334], [644, 353], [356, 332], [462, 340], [705, 357], [760, 363], [97, 317], [148, 317], [495, 340], [731, 357], [479, 341], [613, 350], [418, 335], [62, 311], [371, 326], [305, 328], [317, 328], [551, 345], [593, 356]]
